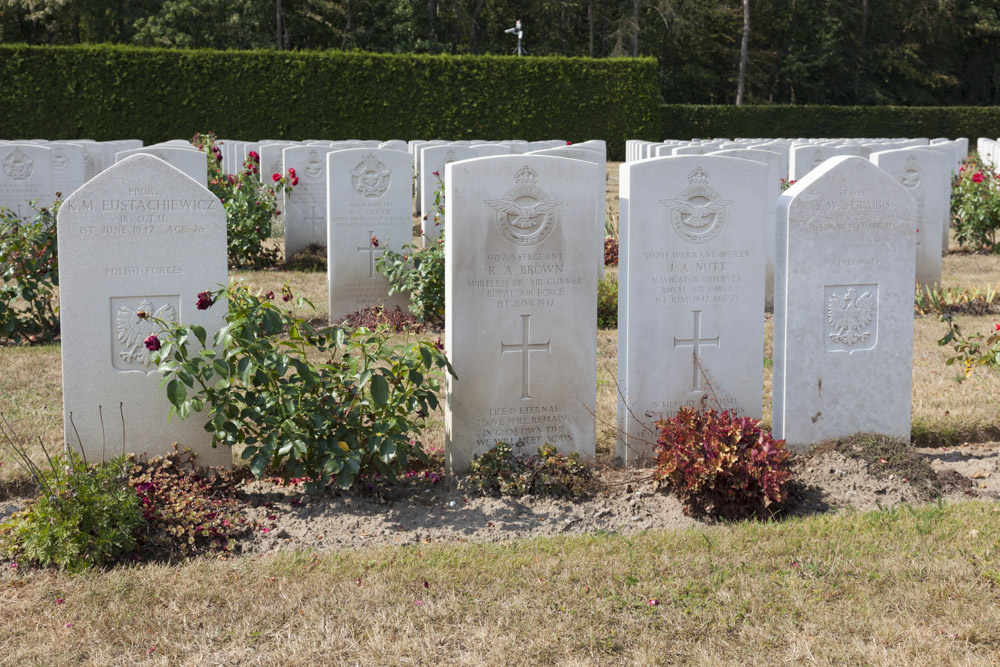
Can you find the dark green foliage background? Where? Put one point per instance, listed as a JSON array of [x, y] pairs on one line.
[[685, 121], [115, 92]]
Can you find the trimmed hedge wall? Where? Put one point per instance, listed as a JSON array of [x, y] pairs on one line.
[[703, 121], [113, 92]]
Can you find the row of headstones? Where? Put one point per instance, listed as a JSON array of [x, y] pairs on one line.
[[521, 281], [305, 222], [926, 170], [989, 152], [798, 156]]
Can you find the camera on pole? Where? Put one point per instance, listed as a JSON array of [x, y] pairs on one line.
[[516, 30]]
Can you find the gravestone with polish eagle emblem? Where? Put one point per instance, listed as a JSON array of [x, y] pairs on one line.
[[368, 212], [137, 243], [304, 209], [843, 312], [520, 305], [690, 291]]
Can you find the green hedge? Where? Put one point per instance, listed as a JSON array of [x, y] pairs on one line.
[[687, 121], [112, 92]]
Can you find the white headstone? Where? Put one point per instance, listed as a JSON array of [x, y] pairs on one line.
[[691, 291], [520, 313], [141, 236], [271, 160], [67, 167], [772, 192], [192, 162], [926, 176], [304, 210], [25, 176], [843, 314], [432, 175], [368, 211]]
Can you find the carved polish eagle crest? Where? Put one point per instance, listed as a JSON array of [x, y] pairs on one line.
[[135, 325], [849, 316]]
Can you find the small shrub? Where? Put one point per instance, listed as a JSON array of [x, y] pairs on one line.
[[975, 206], [420, 271], [187, 512], [29, 274], [500, 472], [610, 251], [721, 464], [312, 258], [607, 303], [979, 349], [328, 404], [84, 516], [374, 317], [969, 300], [250, 205]]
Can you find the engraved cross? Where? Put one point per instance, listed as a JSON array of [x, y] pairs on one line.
[[316, 220], [525, 348], [371, 249], [696, 342]]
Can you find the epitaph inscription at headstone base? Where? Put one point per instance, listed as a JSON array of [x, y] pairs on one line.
[[368, 212], [520, 311], [138, 241], [843, 320], [691, 292]]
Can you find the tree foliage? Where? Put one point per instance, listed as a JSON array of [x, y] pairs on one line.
[[908, 52]]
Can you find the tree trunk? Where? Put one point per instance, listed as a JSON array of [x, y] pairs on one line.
[[741, 82], [635, 28], [281, 26], [590, 20]]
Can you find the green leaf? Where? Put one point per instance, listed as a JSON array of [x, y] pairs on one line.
[[380, 389], [176, 393], [199, 333]]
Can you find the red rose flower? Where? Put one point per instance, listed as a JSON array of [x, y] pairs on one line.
[[276, 177], [291, 172], [270, 294], [253, 156], [977, 177], [204, 301], [374, 241], [436, 173], [152, 343]]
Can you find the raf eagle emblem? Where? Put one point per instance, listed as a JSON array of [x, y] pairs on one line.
[[698, 213], [849, 317], [525, 215], [135, 326]]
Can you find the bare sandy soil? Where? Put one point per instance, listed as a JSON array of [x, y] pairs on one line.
[[420, 512]]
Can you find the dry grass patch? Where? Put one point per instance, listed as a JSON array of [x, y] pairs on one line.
[[906, 586], [31, 400]]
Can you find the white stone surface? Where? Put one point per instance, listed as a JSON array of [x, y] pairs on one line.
[[368, 195], [304, 209], [926, 176], [520, 314], [432, 160], [142, 235], [772, 191], [25, 176], [192, 162], [67, 167], [691, 291], [271, 160], [843, 316]]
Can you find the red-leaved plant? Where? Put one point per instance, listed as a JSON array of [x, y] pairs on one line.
[[721, 464]]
